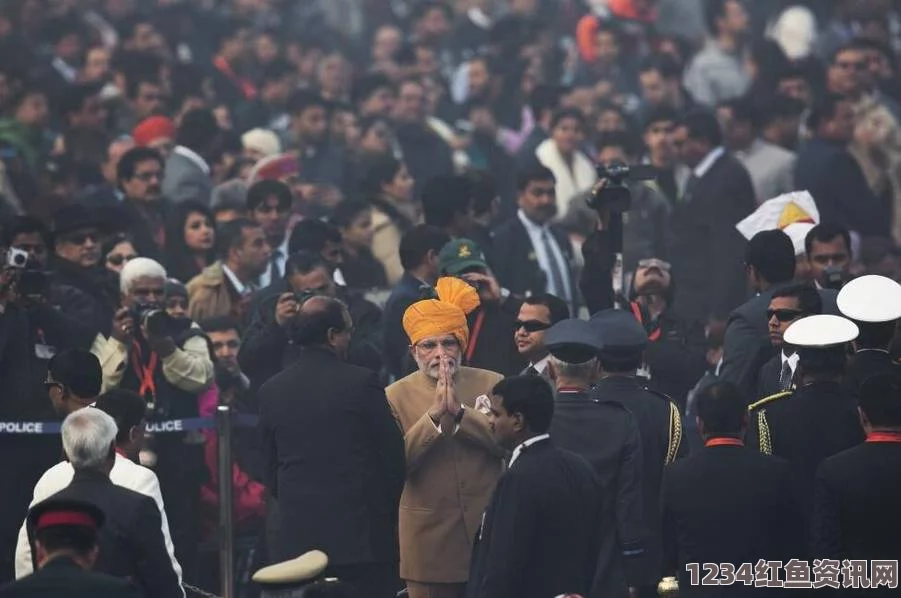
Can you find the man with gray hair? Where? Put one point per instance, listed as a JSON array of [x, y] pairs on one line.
[[606, 434], [131, 540], [167, 363]]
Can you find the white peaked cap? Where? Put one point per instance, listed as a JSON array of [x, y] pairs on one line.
[[871, 298], [820, 331]]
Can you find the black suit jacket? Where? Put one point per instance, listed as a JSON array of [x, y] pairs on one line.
[[539, 531], [515, 264], [746, 346], [727, 504], [62, 577], [661, 431], [606, 434], [334, 461], [816, 421], [769, 377], [855, 507], [866, 363], [131, 539], [705, 249]]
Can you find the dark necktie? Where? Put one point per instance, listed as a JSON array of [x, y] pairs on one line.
[[556, 273], [785, 376], [531, 371], [687, 192], [274, 274]]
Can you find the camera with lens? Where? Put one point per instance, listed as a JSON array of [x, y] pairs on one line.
[[31, 280], [833, 278], [155, 319], [616, 196]]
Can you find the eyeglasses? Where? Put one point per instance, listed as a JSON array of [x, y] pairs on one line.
[[783, 315], [447, 345], [531, 325], [146, 177], [654, 263], [81, 238], [117, 259]]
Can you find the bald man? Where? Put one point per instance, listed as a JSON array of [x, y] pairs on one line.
[[333, 456]]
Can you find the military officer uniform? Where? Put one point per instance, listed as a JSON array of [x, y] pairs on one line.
[[623, 340], [62, 574], [606, 434], [819, 417], [874, 304]]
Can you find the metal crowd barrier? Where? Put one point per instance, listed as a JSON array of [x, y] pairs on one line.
[[223, 423]]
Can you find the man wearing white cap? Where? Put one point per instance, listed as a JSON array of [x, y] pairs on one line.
[[819, 418], [874, 304]]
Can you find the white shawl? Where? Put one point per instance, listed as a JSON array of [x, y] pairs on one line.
[[569, 182]]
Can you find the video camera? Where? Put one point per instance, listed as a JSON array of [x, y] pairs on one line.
[[616, 195], [31, 281]]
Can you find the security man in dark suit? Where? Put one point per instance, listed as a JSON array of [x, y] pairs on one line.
[[131, 541], [818, 418], [623, 342], [531, 255], [605, 433], [727, 503], [857, 491], [873, 303], [787, 306], [539, 532], [333, 455], [66, 544]]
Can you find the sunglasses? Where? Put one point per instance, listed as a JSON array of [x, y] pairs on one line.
[[530, 325], [783, 315], [81, 238], [117, 259]]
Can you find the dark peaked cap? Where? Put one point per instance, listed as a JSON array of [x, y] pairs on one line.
[[620, 333], [573, 341]]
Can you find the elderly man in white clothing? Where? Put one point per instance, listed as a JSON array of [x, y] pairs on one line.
[[128, 409]]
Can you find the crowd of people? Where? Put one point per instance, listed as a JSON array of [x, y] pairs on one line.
[[483, 351]]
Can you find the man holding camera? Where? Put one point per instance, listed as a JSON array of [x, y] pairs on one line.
[[141, 355], [268, 346], [31, 333]]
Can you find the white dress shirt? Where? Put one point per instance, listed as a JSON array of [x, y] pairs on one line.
[[541, 365], [792, 361], [280, 258], [707, 163], [536, 232], [125, 473], [527, 443]]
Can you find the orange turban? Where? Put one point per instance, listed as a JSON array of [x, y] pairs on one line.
[[444, 315]]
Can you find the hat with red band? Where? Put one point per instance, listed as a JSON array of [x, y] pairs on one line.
[[65, 512]]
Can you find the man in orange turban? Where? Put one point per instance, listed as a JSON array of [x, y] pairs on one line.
[[453, 460]]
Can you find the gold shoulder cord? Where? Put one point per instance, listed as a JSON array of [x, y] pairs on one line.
[[675, 433], [763, 433]]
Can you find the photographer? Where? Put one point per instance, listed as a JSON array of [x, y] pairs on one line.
[[268, 344], [31, 333], [142, 355]]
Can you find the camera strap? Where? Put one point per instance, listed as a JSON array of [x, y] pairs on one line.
[[144, 372], [474, 337]]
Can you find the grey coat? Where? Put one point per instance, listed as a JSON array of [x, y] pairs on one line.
[[185, 180]]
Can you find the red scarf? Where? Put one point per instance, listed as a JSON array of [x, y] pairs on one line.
[[248, 89]]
